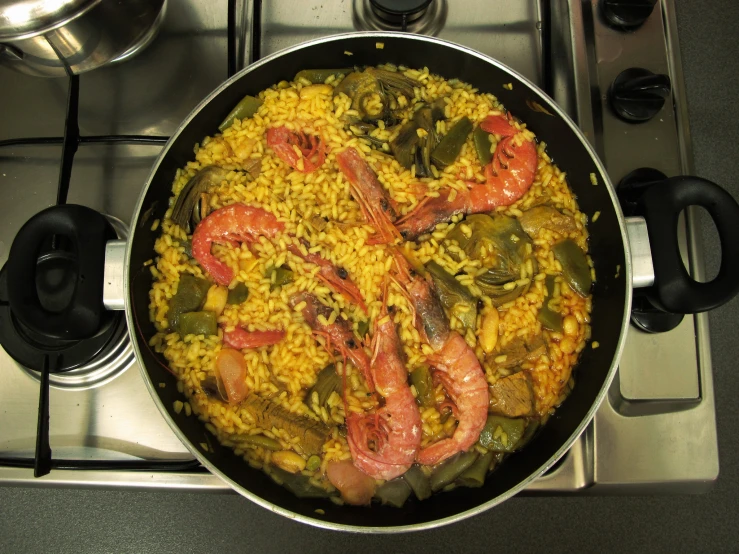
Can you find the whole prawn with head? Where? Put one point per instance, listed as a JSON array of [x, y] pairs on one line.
[[384, 444], [508, 177], [230, 225], [459, 369]]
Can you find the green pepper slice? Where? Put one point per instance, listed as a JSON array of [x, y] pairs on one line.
[[513, 429], [238, 294], [393, 493], [189, 297], [575, 267], [327, 382], [450, 146], [424, 385], [197, 323], [482, 145], [549, 318], [245, 109], [279, 276], [319, 76]]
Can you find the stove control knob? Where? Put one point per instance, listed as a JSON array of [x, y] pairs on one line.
[[637, 94], [626, 15]]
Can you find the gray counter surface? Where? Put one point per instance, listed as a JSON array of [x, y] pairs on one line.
[[52, 520]]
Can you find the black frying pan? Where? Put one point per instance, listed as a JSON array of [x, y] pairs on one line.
[[609, 248]]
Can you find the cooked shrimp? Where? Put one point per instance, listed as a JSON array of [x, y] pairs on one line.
[[229, 225], [384, 444], [508, 177], [461, 373], [378, 208], [240, 338], [338, 334], [466, 386], [335, 277], [299, 150]]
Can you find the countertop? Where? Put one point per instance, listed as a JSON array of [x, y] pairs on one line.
[[36, 520]]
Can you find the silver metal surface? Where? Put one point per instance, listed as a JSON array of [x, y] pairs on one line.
[[515, 26], [657, 431], [115, 255], [94, 416], [20, 18], [664, 443], [82, 35], [642, 269]]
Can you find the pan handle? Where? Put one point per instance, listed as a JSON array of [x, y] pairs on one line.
[[674, 290]]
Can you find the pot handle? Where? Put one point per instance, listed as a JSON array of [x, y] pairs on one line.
[[674, 290], [59, 251]]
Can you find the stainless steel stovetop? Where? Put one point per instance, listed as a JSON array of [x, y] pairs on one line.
[[656, 431]]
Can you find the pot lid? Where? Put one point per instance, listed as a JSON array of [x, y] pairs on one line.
[[21, 18]]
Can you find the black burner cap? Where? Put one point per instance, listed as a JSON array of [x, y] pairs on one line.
[[399, 11]]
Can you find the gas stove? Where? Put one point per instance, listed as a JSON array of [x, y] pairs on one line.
[[656, 430]]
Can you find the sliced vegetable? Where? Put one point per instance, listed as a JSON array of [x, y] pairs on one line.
[[197, 323], [474, 476], [546, 217], [417, 480], [575, 267], [245, 109], [215, 299], [455, 297], [187, 247], [549, 317], [502, 434], [482, 145], [209, 386], [327, 382], [311, 434], [190, 194], [363, 328], [393, 493], [355, 487], [452, 468], [388, 85], [317, 76], [189, 297], [260, 441], [424, 385], [297, 483], [448, 149], [502, 247], [231, 374], [410, 147], [241, 338], [238, 294], [279, 276]]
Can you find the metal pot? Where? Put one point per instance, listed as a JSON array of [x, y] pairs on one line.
[[610, 248], [41, 37]]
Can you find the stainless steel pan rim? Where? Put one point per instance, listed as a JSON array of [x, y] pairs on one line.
[[603, 176]]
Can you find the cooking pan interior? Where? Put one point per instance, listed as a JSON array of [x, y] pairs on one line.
[[564, 146]]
